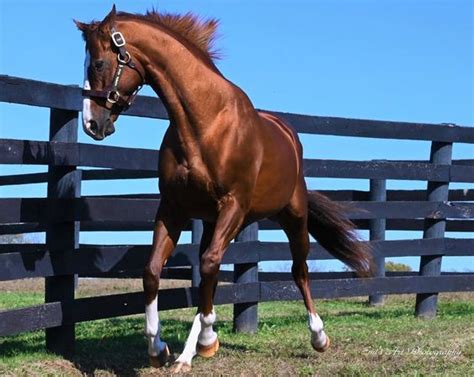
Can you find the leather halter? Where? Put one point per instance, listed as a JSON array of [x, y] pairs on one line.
[[111, 93]]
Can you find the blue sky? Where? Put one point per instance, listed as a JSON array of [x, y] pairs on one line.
[[395, 60]]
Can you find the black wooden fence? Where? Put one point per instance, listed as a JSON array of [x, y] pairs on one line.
[[64, 212]]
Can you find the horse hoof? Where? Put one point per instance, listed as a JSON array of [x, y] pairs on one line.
[[207, 351], [161, 359], [181, 368], [323, 348]]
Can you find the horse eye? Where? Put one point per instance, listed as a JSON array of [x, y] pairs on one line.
[[99, 65]]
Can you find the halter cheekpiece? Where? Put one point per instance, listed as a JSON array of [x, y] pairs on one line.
[[111, 94]]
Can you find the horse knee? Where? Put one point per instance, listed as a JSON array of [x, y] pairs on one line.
[[210, 263]]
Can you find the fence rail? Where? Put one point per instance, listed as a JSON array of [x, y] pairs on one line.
[[37, 93], [64, 212], [35, 260]]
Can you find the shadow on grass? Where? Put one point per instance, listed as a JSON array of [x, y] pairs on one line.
[[379, 313], [25, 343], [116, 345], [119, 346], [125, 353], [235, 347]]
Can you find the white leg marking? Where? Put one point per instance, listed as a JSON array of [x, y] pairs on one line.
[[86, 104], [152, 329], [207, 336], [315, 325], [190, 347]]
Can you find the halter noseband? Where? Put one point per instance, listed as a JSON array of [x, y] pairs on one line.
[[111, 93]]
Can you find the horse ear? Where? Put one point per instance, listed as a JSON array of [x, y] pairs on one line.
[[108, 21], [81, 26]]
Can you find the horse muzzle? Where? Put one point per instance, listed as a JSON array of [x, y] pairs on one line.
[[99, 130]]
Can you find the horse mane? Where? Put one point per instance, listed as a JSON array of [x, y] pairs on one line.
[[201, 33]]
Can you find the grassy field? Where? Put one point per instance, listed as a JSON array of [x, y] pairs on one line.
[[365, 341]]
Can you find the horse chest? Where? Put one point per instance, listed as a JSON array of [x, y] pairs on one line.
[[185, 178], [189, 188]]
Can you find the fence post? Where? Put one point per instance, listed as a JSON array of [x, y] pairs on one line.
[[196, 234], [63, 182], [246, 314], [378, 193], [430, 265]]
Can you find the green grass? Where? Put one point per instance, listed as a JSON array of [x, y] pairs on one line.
[[13, 300], [385, 340]]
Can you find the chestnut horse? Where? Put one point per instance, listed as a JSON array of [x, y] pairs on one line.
[[221, 161]]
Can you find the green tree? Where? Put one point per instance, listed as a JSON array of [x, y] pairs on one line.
[[393, 266]]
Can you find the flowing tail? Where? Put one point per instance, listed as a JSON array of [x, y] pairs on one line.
[[329, 225]]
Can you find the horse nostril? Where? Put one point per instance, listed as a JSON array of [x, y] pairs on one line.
[[109, 129], [93, 126]]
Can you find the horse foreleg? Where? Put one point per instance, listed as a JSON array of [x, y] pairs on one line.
[[165, 237], [183, 362]]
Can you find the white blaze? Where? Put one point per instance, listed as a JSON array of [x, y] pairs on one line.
[[86, 104]]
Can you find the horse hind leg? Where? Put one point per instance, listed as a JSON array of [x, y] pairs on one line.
[[294, 224]]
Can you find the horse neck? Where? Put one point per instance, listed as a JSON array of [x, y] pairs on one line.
[[192, 91]]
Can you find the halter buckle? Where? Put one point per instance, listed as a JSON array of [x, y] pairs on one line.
[[118, 39], [113, 96], [124, 59]]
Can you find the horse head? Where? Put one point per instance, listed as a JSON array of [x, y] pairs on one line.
[[112, 78]]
